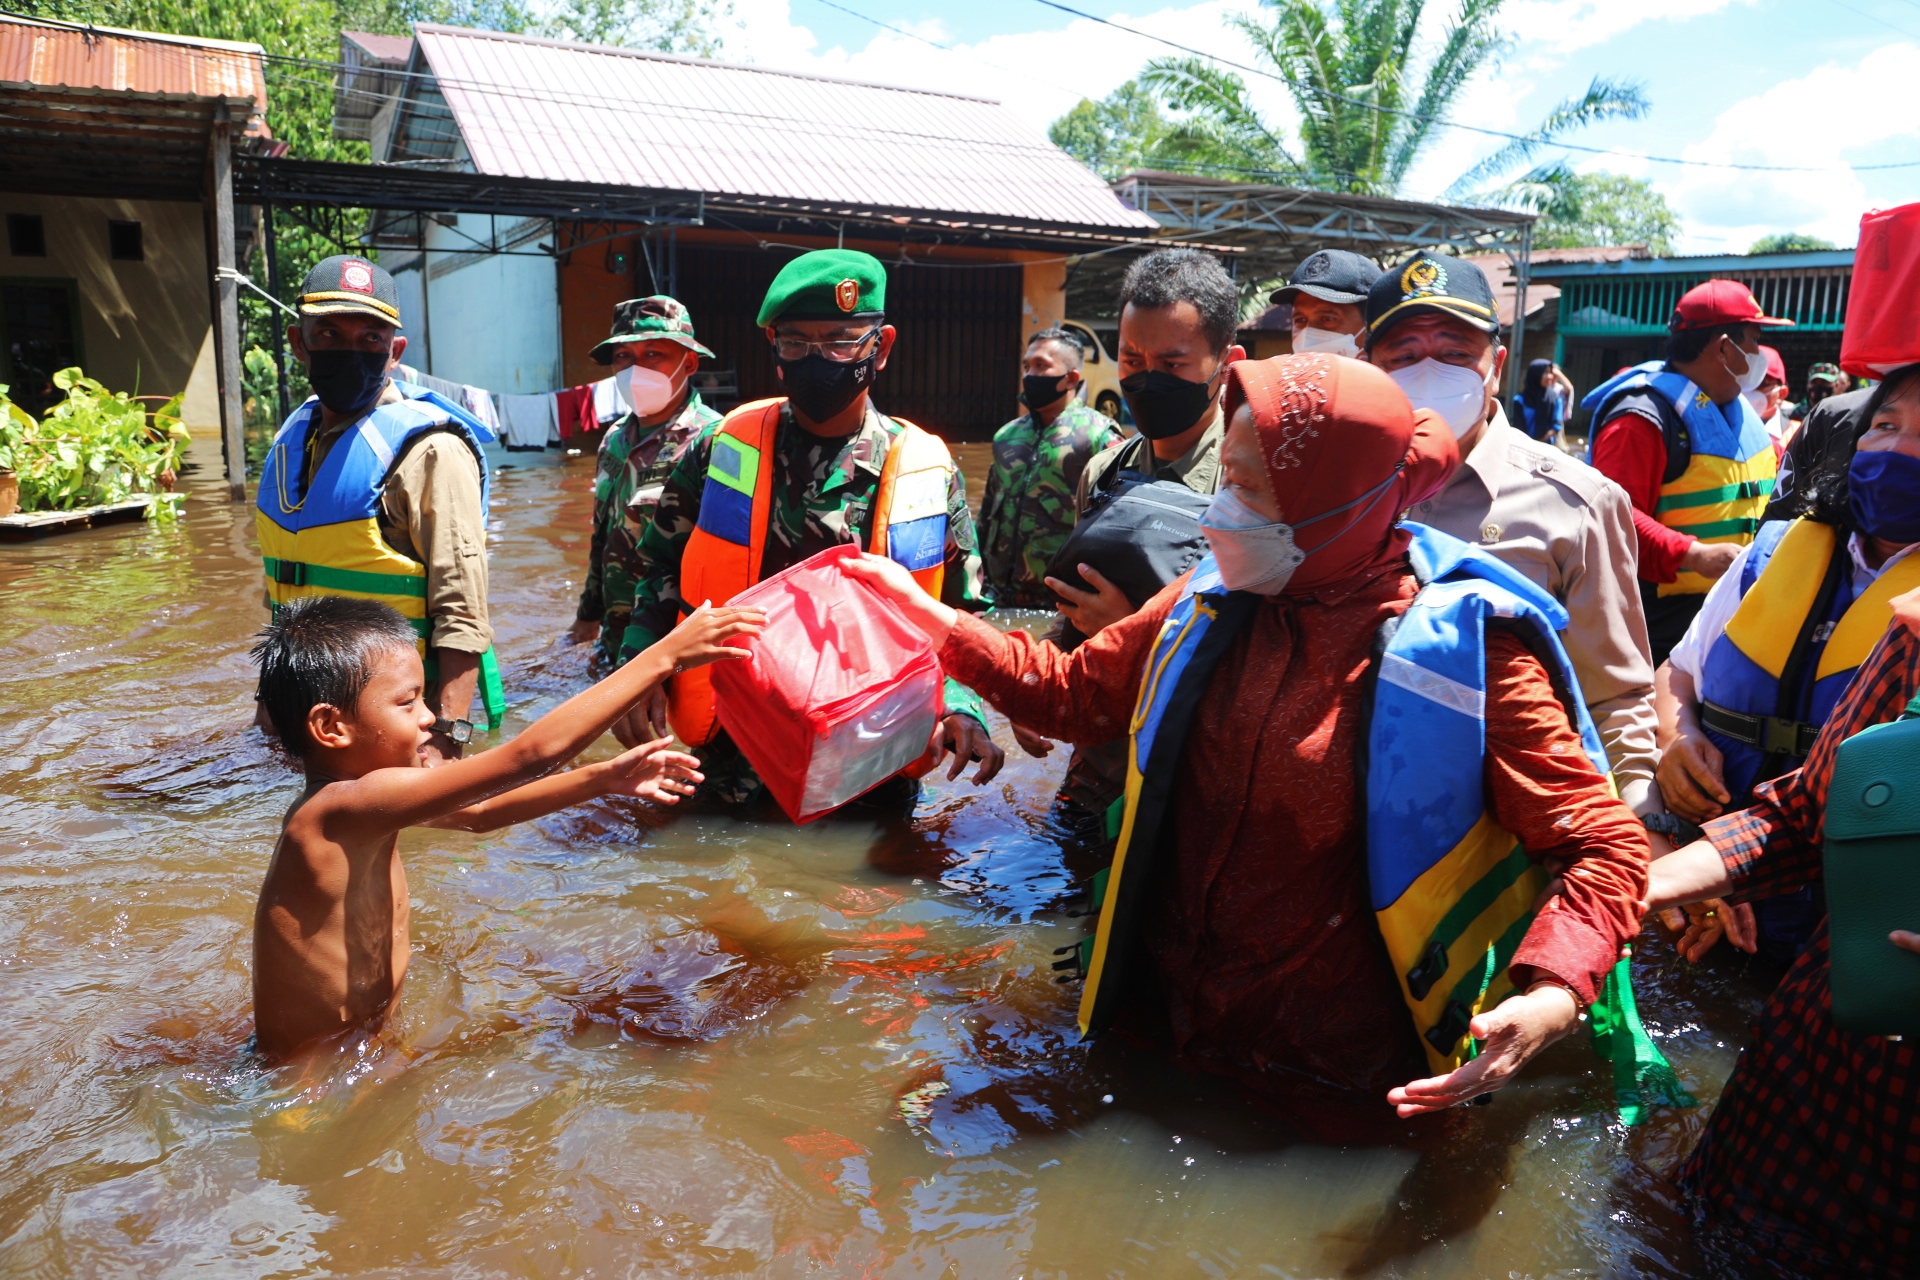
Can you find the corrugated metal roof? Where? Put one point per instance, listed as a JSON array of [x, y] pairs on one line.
[[137, 61], [393, 49], [536, 108]]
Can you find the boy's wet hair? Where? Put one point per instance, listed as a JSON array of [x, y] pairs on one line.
[[322, 650]]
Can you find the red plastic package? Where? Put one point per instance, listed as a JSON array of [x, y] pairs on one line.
[[1880, 335], [842, 692]]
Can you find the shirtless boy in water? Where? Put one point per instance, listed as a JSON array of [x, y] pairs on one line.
[[342, 681]]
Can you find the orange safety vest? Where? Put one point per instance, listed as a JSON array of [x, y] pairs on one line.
[[724, 554]]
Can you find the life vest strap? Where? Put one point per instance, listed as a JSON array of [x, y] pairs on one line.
[[296, 573], [1774, 735]]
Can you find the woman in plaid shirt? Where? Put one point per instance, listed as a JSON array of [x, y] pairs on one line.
[[1811, 1163]]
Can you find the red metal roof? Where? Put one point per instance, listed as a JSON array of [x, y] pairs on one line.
[[141, 62], [534, 108]]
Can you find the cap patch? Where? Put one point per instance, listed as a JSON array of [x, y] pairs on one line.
[[1315, 268], [1423, 277], [846, 295], [357, 276]]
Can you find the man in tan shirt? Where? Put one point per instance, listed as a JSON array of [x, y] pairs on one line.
[[430, 508], [1558, 521]]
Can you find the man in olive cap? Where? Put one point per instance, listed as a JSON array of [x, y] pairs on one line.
[[653, 354], [378, 488], [826, 468]]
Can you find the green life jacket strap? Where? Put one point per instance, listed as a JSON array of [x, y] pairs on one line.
[[296, 573]]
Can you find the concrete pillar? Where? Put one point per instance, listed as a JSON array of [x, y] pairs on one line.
[[226, 304]]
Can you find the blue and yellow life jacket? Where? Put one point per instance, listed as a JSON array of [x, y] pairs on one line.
[[1453, 892], [1720, 468], [1774, 676], [324, 539]]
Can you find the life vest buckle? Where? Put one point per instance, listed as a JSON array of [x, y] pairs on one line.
[[1454, 1021], [288, 573], [1432, 968]]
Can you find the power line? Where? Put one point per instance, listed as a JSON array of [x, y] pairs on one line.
[[1330, 96]]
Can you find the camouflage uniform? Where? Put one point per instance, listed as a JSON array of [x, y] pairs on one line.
[[823, 492], [627, 486], [630, 467], [1029, 508]]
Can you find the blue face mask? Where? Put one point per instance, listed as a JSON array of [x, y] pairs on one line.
[[1883, 495]]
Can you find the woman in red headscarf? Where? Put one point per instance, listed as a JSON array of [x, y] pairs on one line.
[[1267, 965]]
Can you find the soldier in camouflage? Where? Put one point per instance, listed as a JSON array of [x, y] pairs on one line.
[[636, 456], [827, 466], [1029, 508]]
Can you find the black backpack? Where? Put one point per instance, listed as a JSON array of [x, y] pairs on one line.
[[1140, 535]]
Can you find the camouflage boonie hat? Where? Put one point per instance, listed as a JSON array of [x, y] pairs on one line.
[[1827, 373], [649, 320]]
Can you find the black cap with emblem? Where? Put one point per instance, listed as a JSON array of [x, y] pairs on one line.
[[1430, 282], [1331, 275], [344, 283]]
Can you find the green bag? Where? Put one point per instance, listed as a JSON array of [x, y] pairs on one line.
[[1873, 877]]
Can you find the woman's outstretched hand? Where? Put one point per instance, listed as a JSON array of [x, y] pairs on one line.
[[892, 580], [1512, 1032]]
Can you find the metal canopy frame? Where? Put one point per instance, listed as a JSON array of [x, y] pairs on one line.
[[1263, 232]]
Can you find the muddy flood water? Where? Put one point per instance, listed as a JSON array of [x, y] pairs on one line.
[[630, 1045]]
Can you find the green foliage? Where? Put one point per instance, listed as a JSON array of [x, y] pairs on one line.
[[1369, 90], [1580, 209], [1790, 242], [671, 26], [93, 448], [1115, 135]]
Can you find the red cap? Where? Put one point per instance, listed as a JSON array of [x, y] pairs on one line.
[[1720, 302], [1776, 367]]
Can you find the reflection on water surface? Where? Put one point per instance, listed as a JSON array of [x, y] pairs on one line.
[[628, 1045]]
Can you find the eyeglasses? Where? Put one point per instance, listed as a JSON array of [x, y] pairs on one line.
[[839, 351]]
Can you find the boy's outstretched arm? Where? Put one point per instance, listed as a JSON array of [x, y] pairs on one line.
[[650, 771], [387, 800]]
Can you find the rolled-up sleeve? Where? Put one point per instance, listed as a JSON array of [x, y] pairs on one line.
[[432, 504]]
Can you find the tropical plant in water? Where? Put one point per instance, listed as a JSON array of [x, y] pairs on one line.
[[93, 448], [1369, 98]]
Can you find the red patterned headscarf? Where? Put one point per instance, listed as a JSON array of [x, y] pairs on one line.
[[1331, 430]]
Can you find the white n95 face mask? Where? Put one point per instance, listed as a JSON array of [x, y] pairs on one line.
[[1326, 342], [645, 391], [1758, 399], [1756, 370], [1251, 552], [1456, 393]]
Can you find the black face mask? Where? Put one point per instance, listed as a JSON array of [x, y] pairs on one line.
[[347, 381], [1040, 390], [1163, 405], [820, 388]]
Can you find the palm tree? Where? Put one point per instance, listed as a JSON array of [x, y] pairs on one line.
[[1368, 101]]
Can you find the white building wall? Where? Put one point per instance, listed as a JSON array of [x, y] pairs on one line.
[[488, 320]]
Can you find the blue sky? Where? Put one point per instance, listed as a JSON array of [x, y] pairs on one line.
[[1821, 83]]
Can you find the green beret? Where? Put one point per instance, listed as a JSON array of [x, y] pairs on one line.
[[827, 284]]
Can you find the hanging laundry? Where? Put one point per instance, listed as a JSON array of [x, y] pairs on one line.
[[574, 407], [607, 404], [452, 392], [479, 403], [530, 420]]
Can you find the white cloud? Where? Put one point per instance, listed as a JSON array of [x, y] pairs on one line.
[[1562, 26], [1820, 119], [1039, 75]]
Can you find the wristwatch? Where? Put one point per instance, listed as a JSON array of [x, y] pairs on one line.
[[1674, 827], [460, 731]]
